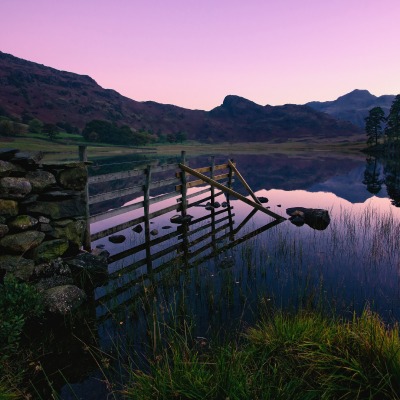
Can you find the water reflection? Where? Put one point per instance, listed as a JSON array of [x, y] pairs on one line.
[[225, 265], [386, 171]]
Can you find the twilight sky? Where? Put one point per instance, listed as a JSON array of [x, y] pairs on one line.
[[192, 53]]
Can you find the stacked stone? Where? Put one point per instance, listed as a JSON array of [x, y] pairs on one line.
[[42, 211]]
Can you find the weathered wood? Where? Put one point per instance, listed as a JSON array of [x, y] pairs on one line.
[[83, 153], [183, 187], [196, 203], [131, 190], [245, 221], [206, 169], [203, 227], [146, 210], [122, 210], [239, 175], [142, 246], [132, 222], [231, 192], [139, 171], [199, 182], [115, 194], [87, 245]]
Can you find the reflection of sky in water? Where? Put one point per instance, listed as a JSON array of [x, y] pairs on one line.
[[353, 262]]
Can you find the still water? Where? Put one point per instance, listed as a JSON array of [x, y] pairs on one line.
[[230, 264]]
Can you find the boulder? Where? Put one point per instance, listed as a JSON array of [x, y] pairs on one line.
[[90, 270], [52, 281], [7, 168], [22, 223], [117, 238], [179, 219], [262, 200], [74, 207], [3, 230], [28, 159], [316, 218], [50, 249], [73, 178], [41, 180], [70, 229], [20, 243], [14, 188], [137, 228], [63, 299], [154, 232], [51, 268], [7, 154], [17, 266]]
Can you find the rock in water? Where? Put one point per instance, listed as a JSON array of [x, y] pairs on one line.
[[117, 239], [315, 218]]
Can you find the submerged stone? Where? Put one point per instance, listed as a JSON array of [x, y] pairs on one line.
[[117, 239]]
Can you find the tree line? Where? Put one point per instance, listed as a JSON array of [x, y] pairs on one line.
[[384, 130]]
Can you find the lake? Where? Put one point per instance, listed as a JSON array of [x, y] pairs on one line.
[[222, 271]]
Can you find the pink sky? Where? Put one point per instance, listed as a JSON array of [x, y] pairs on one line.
[[193, 53]]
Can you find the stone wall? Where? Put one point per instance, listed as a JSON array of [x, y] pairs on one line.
[[42, 211]]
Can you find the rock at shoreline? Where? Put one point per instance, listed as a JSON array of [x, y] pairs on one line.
[[315, 218]]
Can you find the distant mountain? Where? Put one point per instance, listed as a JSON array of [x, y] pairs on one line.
[[30, 90], [353, 106]]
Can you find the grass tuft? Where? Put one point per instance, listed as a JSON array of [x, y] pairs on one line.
[[301, 356]]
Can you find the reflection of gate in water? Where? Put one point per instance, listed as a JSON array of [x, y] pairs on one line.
[[195, 239]]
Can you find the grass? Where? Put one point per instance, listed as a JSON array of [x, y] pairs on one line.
[[64, 147], [301, 356]]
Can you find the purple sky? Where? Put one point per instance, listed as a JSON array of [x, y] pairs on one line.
[[193, 53]]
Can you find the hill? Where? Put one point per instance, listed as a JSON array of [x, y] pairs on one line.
[[353, 106], [30, 90]]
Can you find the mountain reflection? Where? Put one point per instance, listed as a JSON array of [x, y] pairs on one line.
[[383, 171]]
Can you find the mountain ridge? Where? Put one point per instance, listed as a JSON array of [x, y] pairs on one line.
[[354, 106], [31, 90]]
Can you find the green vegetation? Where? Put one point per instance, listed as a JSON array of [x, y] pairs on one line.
[[107, 132], [373, 125], [18, 303], [302, 356], [391, 131]]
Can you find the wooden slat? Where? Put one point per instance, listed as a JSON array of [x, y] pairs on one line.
[[133, 222], [142, 246], [116, 211], [131, 173], [206, 169], [232, 192], [240, 177], [201, 228], [201, 182], [115, 194], [131, 190], [122, 210]]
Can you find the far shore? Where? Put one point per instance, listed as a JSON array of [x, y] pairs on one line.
[[306, 146]]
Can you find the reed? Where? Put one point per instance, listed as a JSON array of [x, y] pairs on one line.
[[300, 356]]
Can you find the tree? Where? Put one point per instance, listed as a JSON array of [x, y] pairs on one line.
[[373, 125], [180, 136], [392, 130], [50, 130], [35, 125]]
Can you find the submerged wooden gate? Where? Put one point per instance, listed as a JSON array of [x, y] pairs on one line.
[[195, 240], [142, 179]]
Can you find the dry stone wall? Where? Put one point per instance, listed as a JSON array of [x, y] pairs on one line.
[[42, 211]]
